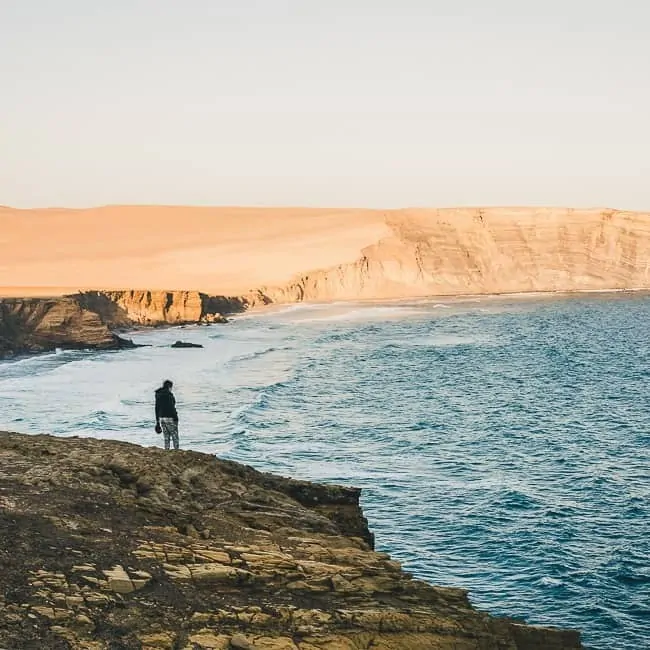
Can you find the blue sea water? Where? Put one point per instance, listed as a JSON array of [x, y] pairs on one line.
[[502, 444]]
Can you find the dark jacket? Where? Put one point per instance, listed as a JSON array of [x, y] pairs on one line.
[[165, 404]]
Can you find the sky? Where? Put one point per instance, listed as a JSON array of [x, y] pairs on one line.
[[384, 103]]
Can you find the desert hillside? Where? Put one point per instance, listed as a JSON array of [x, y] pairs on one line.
[[217, 250], [322, 254]]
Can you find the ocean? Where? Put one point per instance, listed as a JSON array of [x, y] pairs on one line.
[[502, 443]]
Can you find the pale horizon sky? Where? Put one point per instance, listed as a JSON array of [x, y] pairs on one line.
[[391, 103]]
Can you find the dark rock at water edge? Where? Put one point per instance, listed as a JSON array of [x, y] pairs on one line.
[[213, 319], [107, 545], [185, 344]]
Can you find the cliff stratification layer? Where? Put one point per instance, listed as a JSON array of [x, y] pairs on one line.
[[106, 545], [140, 307], [486, 251], [87, 320]]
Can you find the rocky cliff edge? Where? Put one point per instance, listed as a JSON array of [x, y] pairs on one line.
[[88, 320], [484, 251], [44, 324], [107, 545]]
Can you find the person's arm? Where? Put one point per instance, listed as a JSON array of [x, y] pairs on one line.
[[157, 410], [175, 411]]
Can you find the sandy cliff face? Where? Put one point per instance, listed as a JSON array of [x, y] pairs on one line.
[[140, 548], [467, 251], [289, 255]]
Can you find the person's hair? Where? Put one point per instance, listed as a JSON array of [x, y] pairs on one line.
[[168, 383]]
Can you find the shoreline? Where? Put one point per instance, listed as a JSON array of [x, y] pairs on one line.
[[34, 325], [97, 320], [64, 292], [453, 298]]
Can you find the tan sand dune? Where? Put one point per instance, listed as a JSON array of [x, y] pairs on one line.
[[323, 254], [224, 250]]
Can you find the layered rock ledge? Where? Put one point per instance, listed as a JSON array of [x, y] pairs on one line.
[[108, 545], [89, 320], [152, 308], [43, 324]]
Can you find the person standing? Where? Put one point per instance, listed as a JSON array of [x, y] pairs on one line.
[[166, 415]]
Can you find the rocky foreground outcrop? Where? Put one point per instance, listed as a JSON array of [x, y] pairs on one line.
[[107, 545]]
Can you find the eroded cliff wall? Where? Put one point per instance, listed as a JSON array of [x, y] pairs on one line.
[[156, 307], [38, 325], [474, 251], [141, 307], [87, 320]]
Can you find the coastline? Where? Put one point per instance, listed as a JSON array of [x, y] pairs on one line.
[[459, 297], [237, 370], [60, 292], [98, 320]]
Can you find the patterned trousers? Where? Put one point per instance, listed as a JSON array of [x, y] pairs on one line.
[[170, 431]]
